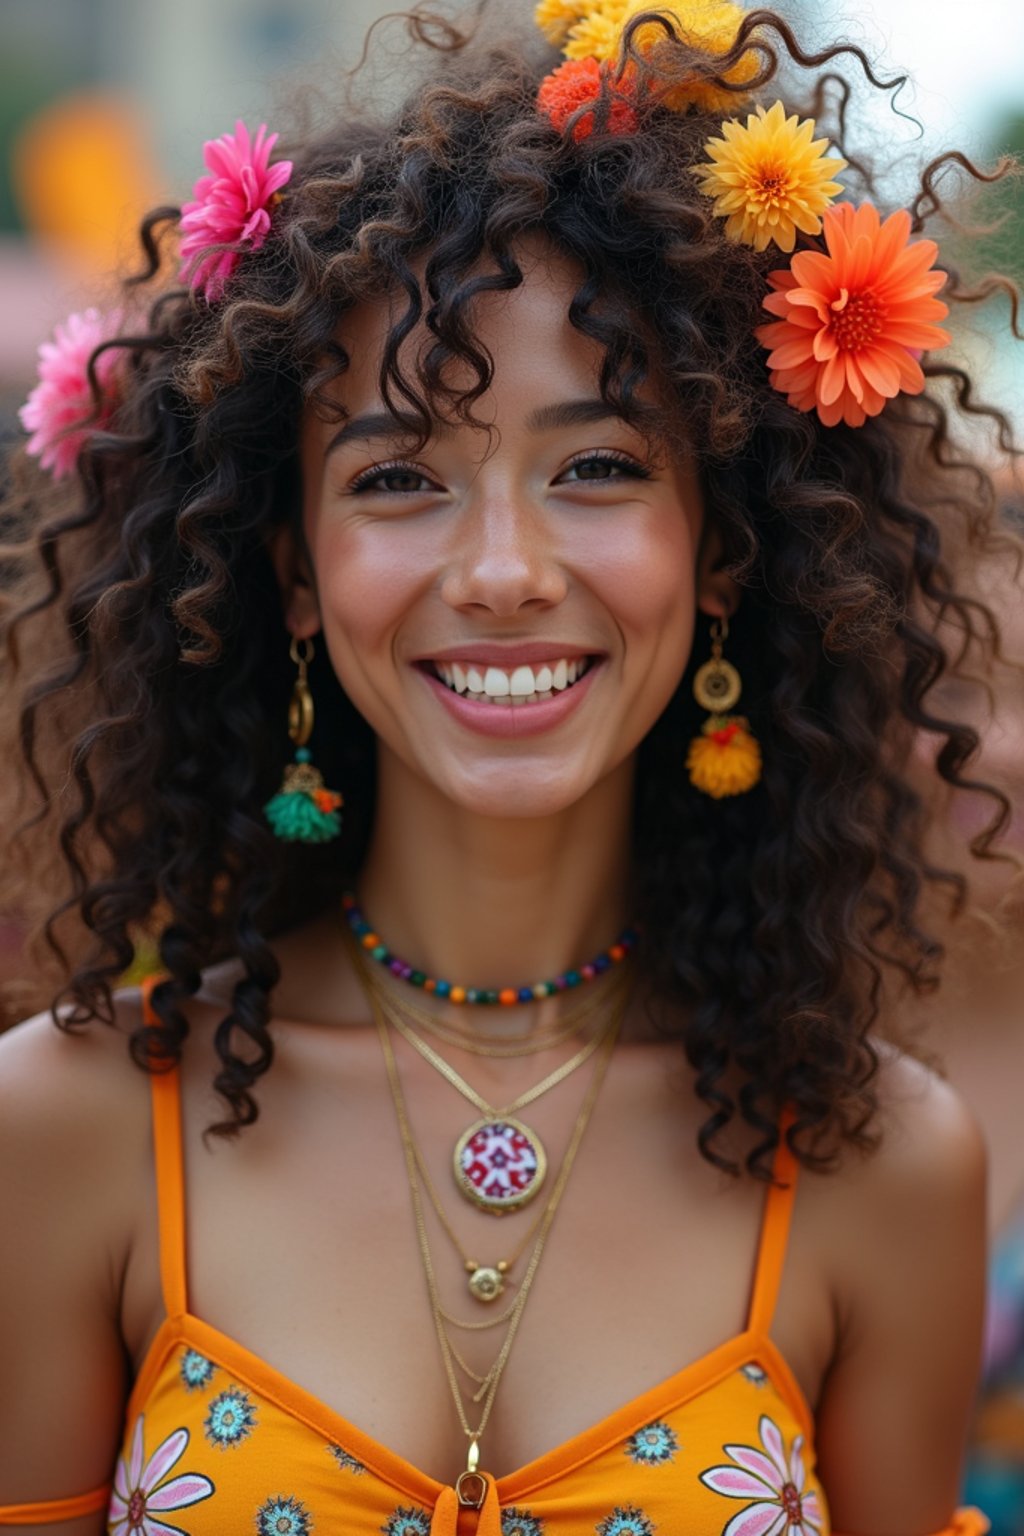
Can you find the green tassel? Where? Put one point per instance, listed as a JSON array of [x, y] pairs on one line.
[[295, 818]]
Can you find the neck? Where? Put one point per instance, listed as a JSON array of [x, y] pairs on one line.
[[495, 902]]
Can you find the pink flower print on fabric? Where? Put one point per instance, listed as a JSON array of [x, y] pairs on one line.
[[61, 413], [138, 1501], [231, 206], [783, 1506]]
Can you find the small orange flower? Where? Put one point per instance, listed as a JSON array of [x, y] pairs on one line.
[[725, 759], [853, 322], [575, 84], [326, 800]]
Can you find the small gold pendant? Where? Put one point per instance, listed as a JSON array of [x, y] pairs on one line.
[[486, 1282]]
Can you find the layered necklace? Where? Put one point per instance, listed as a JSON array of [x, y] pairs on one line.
[[471, 1485]]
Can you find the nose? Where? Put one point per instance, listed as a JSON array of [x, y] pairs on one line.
[[505, 557]]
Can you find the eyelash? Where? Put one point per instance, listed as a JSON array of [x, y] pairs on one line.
[[365, 482]]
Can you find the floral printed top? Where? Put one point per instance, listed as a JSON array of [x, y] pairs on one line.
[[218, 1443]]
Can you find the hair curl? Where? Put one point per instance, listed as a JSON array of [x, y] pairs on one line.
[[153, 688]]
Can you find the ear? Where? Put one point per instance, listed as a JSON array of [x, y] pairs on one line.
[[295, 578], [718, 595]]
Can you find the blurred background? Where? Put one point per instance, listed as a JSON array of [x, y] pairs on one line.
[[105, 104]]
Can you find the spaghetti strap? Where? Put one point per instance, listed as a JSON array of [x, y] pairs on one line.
[[165, 1088], [774, 1239]]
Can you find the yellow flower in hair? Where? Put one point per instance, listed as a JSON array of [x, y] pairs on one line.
[[555, 17], [711, 25], [598, 33], [725, 759], [770, 178]]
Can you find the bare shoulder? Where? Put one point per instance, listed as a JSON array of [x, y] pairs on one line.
[[913, 1205], [75, 1171], [930, 1143], [74, 1108]]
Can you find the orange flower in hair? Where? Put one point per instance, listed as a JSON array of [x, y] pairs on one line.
[[853, 319], [579, 83]]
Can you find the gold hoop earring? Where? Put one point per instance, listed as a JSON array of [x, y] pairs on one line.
[[725, 759], [303, 810]]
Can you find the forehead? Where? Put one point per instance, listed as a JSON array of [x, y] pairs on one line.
[[526, 333]]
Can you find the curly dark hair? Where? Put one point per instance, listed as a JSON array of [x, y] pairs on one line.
[[144, 620]]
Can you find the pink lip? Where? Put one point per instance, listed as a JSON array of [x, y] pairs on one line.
[[527, 654], [511, 719]]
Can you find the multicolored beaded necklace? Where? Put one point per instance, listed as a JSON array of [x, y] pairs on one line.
[[507, 997]]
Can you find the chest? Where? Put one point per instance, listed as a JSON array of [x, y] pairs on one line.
[[304, 1245]]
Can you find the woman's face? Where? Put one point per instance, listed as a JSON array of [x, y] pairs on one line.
[[510, 613]]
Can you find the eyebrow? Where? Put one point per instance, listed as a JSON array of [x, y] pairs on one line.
[[544, 418]]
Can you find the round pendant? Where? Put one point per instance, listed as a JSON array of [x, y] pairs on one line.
[[486, 1283], [499, 1165]]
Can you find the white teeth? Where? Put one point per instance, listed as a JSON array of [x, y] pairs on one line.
[[520, 685], [496, 684], [522, 682]]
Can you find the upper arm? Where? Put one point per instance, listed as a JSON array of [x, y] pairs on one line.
[[70, 1170], [909, 1248]]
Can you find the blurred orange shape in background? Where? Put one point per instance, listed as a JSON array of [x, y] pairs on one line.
[[84, 176]]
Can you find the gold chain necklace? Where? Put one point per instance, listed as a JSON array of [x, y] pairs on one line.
[[499, 1163], [471, 1486], [507, 1047]]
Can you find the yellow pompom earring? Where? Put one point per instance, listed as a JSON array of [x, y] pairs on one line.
[[725, 759]]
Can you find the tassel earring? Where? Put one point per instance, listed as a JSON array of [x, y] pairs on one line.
[[303, 811], [725, 759]]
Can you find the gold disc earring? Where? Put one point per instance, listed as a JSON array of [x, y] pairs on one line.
[[725, 759], [303, 810]]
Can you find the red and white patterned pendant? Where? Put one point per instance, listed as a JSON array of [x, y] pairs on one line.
[[499, 1165]]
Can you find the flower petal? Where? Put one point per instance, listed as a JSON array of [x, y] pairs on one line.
[[163, 1459], [757, 1463], [734, 1483], [189, 1488], [137, 1451], [757, 1520]]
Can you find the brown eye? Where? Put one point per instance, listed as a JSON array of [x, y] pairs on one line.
[[400, 480], [604, 466], [392, 480]]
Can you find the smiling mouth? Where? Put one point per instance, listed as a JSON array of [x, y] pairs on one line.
[[512, 687]]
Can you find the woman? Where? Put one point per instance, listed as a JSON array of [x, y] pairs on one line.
[[458, 430]]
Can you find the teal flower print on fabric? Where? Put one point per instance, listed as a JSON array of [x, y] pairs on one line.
[[281, 1516], [519, 1522], [231, 1418], [407, 1522], [626, 1520], [195, 1370], [652, 1446], [346, 1461]]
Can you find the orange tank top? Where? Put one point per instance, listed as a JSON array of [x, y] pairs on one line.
[[219, 1443]]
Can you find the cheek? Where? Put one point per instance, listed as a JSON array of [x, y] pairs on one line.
[[644, 573], [367, 578]]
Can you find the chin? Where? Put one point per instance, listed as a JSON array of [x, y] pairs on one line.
[[519, 796]]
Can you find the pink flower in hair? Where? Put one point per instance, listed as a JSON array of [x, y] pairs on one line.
[[61, 412], [231, 206]]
